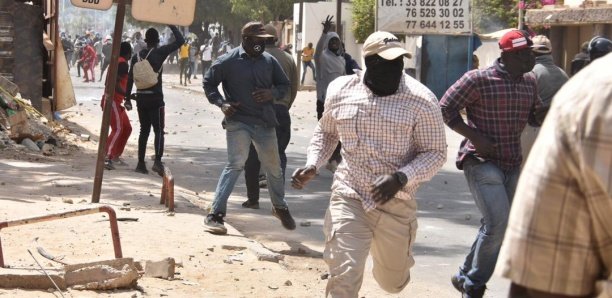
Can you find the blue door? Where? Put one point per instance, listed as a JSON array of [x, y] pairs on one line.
[[444, 60]]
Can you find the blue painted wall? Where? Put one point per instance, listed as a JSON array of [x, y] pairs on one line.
[[444, 60]]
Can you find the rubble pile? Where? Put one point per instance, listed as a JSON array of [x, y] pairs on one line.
[[24, 129]]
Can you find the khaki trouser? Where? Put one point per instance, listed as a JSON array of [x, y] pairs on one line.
[[387, 232]]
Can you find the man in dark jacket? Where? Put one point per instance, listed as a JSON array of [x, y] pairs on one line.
[[252, 81]]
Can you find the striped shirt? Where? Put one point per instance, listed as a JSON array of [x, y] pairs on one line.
[[559, 236], [379, 135], [498, 107]]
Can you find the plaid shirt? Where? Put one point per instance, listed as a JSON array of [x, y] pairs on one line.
[[498, 107], [559, 236], [379, 135]]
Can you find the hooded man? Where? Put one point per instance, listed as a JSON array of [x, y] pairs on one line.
[[329, 62], [372, 210]]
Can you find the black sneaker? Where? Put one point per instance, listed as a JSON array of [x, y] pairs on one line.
[[213, 223], [474, 292], [141, 167], [457, 282], [285, 217], [250, 204], [158, 167], [108, 164]]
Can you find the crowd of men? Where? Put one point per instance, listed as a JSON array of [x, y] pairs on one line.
[[545, 219]]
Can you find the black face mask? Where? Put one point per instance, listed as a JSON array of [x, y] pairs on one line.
[[383, 76], [254, 47]]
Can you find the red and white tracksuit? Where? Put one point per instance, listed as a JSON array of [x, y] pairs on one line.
[[89, 62], [119, 123]]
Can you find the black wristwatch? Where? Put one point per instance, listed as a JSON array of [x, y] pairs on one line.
[[401, 177]]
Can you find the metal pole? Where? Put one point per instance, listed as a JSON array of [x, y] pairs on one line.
[[339, 18], [112, 217], [376, 17], [109, 92], [520, 14], [300, 34], [56, 41]]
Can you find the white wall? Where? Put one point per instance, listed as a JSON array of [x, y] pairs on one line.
[[314, 15], [488, 52]]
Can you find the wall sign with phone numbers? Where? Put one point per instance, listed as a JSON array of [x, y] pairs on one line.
[[424, 16]]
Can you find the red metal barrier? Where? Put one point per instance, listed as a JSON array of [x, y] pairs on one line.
[[112, 217], [167, 194]]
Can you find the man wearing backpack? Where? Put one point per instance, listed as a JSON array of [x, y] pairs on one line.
[[150, 101]]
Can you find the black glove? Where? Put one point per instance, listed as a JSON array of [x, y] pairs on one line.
[[385, 187]]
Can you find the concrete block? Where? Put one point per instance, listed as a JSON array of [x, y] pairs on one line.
[[103, 275], [31, 279], [162, 269]]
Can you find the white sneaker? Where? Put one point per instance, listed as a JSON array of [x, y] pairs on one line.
[[118, 161]]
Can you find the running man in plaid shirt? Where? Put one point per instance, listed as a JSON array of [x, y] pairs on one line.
[[393, 139], [500, 101]]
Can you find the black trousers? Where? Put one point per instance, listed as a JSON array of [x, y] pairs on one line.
[[105, 64], [205, 67], [151, 113], [252, 165]]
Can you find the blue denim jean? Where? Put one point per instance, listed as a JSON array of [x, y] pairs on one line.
[[239, 138], [492, 189], [252, 165], [305, 66]]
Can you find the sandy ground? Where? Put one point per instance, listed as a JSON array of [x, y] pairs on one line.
[[33, 188], [34, 185]]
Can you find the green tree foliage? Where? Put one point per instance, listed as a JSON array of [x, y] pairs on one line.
[[263, 10], [492, 15], [363, 19]]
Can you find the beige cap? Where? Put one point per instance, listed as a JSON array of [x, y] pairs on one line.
[[384, 44], [541, 44]]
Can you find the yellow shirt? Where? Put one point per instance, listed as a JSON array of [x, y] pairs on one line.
[[184, 52], [307, 54]]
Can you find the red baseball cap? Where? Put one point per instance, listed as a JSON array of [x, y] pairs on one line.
[[515, 40]]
